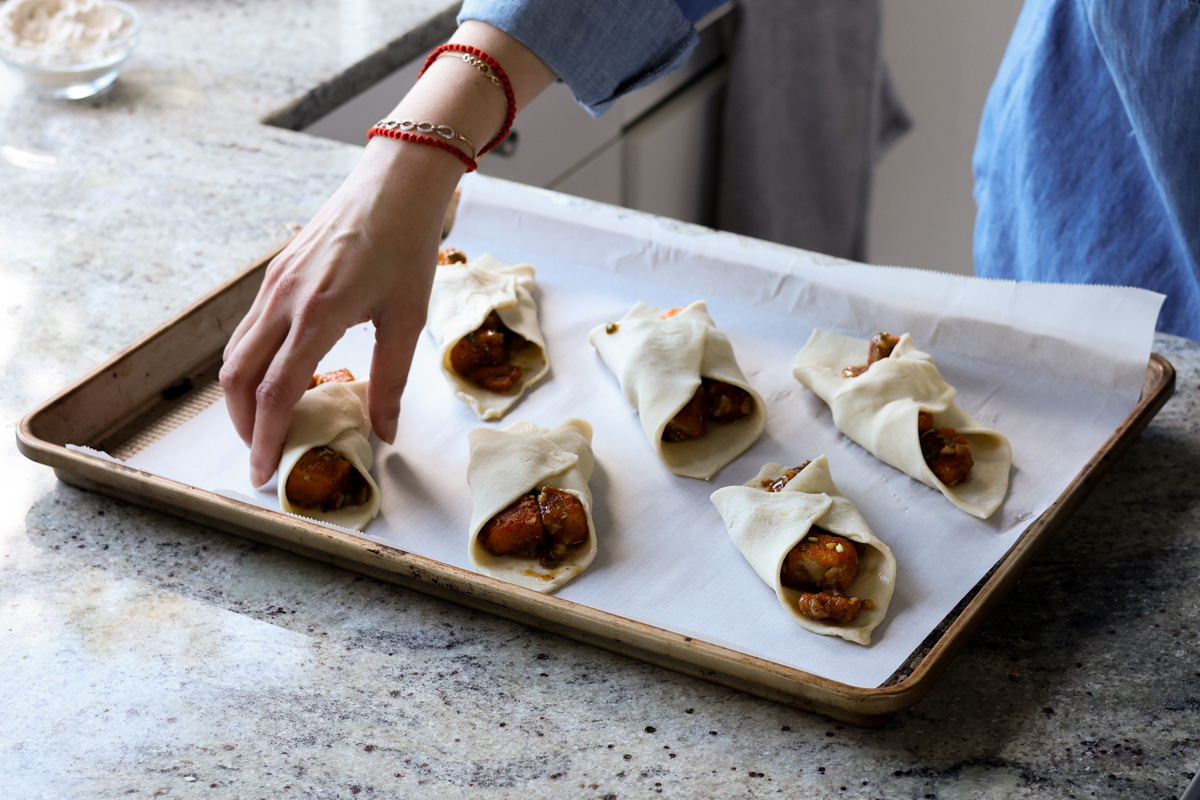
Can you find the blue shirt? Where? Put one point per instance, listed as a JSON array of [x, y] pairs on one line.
[[600, 49], [1087, 167]]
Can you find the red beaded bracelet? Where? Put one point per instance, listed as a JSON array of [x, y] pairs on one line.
[[418, 138], [486, 64]]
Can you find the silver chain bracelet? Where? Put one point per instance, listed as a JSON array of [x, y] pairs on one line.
[[427, 128]]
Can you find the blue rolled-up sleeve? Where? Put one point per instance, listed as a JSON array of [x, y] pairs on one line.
[[600, 49]]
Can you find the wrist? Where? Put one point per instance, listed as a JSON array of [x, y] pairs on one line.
[[489, 68], [453, 94], [443, 137], [400, 169], [473, 85]]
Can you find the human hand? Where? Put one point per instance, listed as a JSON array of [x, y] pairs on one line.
[[368, 254]]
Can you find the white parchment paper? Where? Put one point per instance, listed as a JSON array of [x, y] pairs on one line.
[[1054, 368]]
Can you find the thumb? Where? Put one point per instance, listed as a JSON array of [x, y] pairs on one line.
[[394, 344]]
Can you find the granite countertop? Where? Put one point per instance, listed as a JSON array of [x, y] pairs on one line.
[[144, 656]]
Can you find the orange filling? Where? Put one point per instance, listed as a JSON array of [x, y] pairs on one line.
[[545, 525], [451, 255], [821, 567], [881, 347], [945, 450], [323, 479], [336, 376], [714, 401], [778, 484], [484, 356]]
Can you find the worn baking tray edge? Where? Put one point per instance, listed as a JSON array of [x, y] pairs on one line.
[[133, 389]]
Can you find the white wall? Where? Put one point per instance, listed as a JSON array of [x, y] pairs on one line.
[[943, 55]]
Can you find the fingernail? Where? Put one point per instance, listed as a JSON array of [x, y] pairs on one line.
[[257, 479], [388, 434]]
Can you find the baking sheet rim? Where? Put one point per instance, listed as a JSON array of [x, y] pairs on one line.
[[865, 706]]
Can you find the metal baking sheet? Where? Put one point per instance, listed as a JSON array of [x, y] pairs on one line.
[[169, 376]]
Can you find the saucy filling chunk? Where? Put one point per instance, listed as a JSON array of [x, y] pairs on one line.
[[335, 376], [881, 347], [484, 356], [322, 478], [778, 484], [714, 401], [545, 525], [945, 450], [821, 567], [451, 255], [325, 480]]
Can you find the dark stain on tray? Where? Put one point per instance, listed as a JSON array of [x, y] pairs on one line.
[[177, 390]]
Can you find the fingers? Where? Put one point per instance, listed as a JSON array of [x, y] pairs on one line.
[[266, 292], [241, 330], [245, 365], [252, 346], [275, 397], [282, 386], [395, 341], [248, 321], [364, 245]]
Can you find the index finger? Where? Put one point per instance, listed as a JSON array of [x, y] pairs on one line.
[[395, 341], [281, 388], [244, 368]]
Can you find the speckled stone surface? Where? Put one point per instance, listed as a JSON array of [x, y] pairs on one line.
[[143, 656]]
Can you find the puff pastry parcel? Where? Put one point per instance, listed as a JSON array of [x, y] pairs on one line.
[[679, 372], [531, 518], [484, 320], [888, 407], [812, 547], [324, 472]]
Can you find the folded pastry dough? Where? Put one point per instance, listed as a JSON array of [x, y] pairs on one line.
[[765, 526], [514, 461], [332, 415], [462, 298], [879, 408], [659, 363]]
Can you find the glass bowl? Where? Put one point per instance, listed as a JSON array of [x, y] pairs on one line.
[[70, 74]]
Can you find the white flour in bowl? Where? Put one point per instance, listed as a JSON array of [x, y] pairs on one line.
[[61, 31]]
